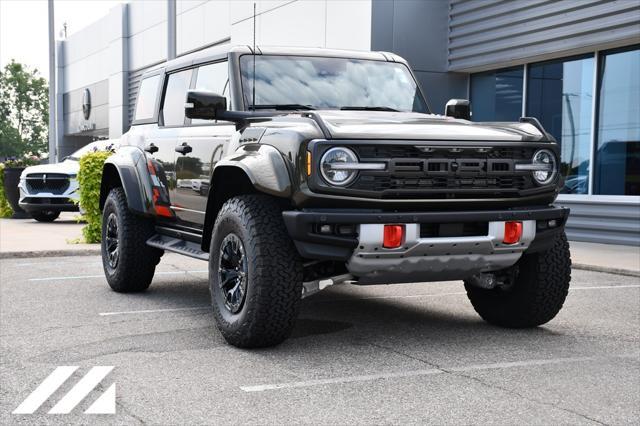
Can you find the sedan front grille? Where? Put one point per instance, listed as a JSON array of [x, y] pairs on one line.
[[54, 183]]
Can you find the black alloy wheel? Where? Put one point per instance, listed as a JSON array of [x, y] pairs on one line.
[[113, 252], [233, 273]]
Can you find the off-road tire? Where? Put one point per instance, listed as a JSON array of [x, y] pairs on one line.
[[274, 273], [136, 260], [537, 294], [45, 215]]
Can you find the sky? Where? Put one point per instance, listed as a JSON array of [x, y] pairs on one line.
[[24, 30]]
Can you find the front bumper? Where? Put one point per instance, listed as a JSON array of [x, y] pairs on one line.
[[32, 201], [421, 259], [38, 204]]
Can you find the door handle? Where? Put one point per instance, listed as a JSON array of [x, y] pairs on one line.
[[151, 148], [184, 148]]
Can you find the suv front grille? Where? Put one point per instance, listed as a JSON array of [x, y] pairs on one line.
[[54, 183], [443, 171]]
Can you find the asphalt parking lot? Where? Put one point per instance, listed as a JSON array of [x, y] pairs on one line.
[[413, 353]]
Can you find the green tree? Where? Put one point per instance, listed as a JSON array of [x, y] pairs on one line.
[[24, 111]]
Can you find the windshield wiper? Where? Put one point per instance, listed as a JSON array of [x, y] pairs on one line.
[[284, 107], [367, 108]]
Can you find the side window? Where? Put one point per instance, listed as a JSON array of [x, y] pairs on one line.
[[147, 97], [174, 98], [213, 78]]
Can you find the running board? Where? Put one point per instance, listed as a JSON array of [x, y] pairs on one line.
[[187, 248]]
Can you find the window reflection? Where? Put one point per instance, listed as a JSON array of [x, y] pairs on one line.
[[147, 96], [213, 78], [560, 96], [617, 169], [497, 95], [175, 97], [330, 83]]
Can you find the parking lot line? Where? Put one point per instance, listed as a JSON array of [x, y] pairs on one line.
[[79, 277], [604, 287], [151, 311], [430, 371]]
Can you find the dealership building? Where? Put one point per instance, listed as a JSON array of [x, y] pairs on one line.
[[573, 64]]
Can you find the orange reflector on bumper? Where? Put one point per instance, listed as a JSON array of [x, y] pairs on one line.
[[512, 232], [393, 236]]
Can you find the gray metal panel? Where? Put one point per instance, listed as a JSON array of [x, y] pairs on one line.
[[602, 222], [494, 33], [417, 31]]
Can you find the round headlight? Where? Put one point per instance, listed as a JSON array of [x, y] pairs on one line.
[[547, 162], [330, 166]]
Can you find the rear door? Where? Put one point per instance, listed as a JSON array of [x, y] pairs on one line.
[[202, 145]]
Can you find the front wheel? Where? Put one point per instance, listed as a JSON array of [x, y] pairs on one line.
[[45, 215], [536, 293], [128, 262], [255, 273]]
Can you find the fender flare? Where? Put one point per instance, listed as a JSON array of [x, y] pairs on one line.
[[265, 171], [128, 168], [263, 165]]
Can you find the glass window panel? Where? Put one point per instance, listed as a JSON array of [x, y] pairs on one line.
[[329, 83], [213, 78], [175, 97], [560, 96], [147, 96], [497, 95], [617, 170]]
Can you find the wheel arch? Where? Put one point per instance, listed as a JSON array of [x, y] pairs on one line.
[[127, 169], [252, 170]]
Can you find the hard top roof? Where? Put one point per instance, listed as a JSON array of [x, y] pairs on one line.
[[221, 52]]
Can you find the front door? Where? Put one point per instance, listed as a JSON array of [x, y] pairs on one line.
[[201, 145]]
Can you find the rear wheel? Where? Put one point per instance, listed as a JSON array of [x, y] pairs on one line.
[[255, 273], [45, 215], [536, 293], [128, 262]]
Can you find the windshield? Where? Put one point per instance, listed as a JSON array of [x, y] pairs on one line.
[[308, 82], [92, 147]]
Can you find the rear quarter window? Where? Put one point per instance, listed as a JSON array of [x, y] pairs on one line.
[[147, 98]]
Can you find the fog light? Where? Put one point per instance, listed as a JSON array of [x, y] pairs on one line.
[[552, 223], [512, 232], [326, 229], [393, 236]]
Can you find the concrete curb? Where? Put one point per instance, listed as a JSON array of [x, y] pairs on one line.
[[616, 271], [50, 253]]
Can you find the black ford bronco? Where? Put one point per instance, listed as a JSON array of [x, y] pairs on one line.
[[290, 170]]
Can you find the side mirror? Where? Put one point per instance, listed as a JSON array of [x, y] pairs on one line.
[[458, 108], [204, 105]]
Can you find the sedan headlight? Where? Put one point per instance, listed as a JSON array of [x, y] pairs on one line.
[[545, 161], [337, 166]]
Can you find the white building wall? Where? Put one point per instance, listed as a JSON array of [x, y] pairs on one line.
[[85, 59], [201, 23], [147, 33], [308, 23]]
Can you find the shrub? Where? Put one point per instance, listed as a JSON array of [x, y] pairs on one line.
[[5, 208], [89, 179]]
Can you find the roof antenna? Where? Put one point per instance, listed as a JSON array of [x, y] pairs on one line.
[[253, 101]]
